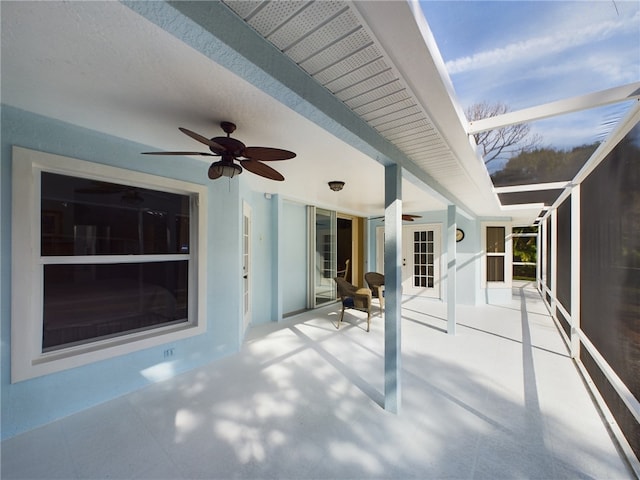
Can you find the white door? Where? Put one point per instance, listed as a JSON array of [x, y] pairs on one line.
[[421, 260], [246, 265]]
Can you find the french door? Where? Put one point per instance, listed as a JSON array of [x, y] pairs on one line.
[[246, 265], [421, 257], [421, 246]]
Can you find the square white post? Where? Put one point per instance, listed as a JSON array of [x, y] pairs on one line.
[[393, 286], [451, 269]]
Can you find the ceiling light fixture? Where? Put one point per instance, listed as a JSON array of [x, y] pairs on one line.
[[336, 185], [224, 168]]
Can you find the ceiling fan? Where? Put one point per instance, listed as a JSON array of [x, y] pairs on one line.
[[405, 217], [230, 150]]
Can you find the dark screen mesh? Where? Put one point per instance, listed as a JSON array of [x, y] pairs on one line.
[[563, 284], [564, 323], [610, 272], [541, 196]]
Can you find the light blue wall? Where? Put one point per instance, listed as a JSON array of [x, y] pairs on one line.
[[31, 403], [268, 256], [262, 258], [294, 257], [468, 258]]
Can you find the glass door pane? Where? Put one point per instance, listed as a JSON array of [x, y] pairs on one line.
[[325, 257]]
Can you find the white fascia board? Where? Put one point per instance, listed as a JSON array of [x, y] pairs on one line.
[[404, 35]]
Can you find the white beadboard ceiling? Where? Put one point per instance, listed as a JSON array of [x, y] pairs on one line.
[[333, 43], [103, 66]]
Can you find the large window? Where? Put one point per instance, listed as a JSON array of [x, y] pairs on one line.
[[497, 245], [105, 262], [495, 254]]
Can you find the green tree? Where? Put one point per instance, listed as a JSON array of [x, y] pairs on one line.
[[543, 165]]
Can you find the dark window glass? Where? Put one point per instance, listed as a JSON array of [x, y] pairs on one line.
[[495, 269], [495, 239], [94, 301], [87, 217]]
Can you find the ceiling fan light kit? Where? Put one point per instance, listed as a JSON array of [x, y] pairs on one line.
[[224, 169], [230, 150], [336, 185]]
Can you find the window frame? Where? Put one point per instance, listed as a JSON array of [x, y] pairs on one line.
[[507, 255], [27, 358]]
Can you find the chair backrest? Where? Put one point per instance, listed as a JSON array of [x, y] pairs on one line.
[[345, 272], [345, 289], [374, 279]]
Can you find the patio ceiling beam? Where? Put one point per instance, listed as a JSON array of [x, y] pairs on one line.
[[630, 91], [533, 187], [522, 206]]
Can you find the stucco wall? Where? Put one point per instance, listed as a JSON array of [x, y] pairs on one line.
[[31, 403]]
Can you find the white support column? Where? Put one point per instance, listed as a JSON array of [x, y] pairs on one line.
[[276, 272], [393, 286], [553, 251], [539, 247], [575, 271], [451, 269]]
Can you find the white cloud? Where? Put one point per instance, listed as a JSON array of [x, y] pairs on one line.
[[562, 40]]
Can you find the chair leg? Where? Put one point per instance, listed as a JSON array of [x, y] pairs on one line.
[[368, 318], [340, 319]]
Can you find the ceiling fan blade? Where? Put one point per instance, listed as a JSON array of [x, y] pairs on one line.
[[265, 154], [205, 154], [261, 169], [216, 147]]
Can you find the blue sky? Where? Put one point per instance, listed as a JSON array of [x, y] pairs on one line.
[[527, 53]]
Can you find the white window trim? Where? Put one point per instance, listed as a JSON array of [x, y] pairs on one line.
[[508, 255], [27, 359]]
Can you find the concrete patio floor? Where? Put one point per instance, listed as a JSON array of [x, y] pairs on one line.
[[302, 400]]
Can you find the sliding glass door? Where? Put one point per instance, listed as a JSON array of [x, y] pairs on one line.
[[322, 237]]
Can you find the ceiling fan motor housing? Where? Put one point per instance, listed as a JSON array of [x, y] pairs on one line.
[[231, 145]]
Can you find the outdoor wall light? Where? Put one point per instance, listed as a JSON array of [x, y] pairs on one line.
[[336, 185]]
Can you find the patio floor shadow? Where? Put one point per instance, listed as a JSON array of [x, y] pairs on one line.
[[302, 400]]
